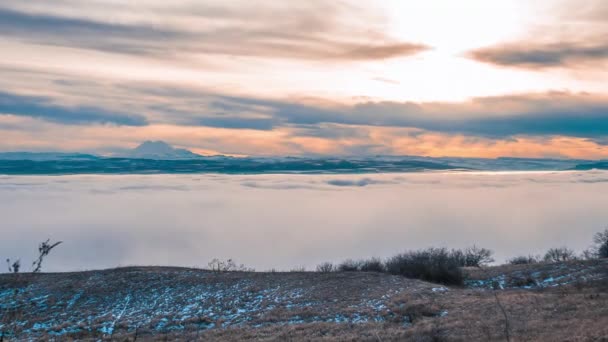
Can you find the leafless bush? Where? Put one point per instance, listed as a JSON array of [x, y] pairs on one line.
[[589, 254], [559, 254], [601, 244], [43, 250], [366, 265], [298, 269], [13, 267], [348, 266], [10, 314], [524, 260], [217, 265], [473, 256], [432, 264], [325, 267], [522, 281], [416, 312], [372, 265]]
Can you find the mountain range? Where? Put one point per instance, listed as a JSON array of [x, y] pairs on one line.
[[160, 157]]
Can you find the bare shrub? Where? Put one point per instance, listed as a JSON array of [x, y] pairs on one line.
[[43, 250], [433, 264], [416, 312], [217, 265], [325, 267], [13, 267], [473, 256], [589, 254], [559, 254], [522, 281], [10, 313], [349, 266], [372, 265], [524, 260], [601, 244]]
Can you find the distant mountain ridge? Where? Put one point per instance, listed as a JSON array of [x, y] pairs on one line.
[[45, 156], [158, 157]]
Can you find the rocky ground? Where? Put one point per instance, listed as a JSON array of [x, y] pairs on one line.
[[565, 301]]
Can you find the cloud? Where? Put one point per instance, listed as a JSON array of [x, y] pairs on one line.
[[544, 114], [573, 38], [549, 124], [356, 182], [215, 218], [316, 30], [538, 56], [552, 113], [44, 108], [237, 122], [498, 117], [279, 186]]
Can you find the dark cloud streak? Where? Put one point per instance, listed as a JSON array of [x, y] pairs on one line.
[[43, 108], [575, 38], [539, 56], [493, 117], [308, 35]]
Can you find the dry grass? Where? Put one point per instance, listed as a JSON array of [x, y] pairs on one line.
[[185, 304]]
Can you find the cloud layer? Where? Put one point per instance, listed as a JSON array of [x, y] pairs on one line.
[[42, 107], [574, 39], [220, 216], [315, 30], [312, 126], [318, 77]]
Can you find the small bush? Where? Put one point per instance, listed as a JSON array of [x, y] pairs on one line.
[[589, 254], [348, 266], [325, 267], [433, 264], [372, 265], [524, 260], [14, 266], [601, 244], [416, 312], [522, 281], [559, 254], [43, 251], [473, 256], [217, 265]]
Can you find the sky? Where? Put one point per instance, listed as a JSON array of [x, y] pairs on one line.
[[469, 78]]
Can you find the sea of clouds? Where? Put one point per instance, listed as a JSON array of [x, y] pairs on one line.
[[287, 221]]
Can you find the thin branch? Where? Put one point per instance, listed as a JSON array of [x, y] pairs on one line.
[[502, 308]]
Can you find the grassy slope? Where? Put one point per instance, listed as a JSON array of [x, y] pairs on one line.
[[567, 301]]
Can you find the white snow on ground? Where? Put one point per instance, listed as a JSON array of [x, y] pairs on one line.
[[187, 298], [104, 302]]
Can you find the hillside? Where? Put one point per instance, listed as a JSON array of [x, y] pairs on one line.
[[562, 302]]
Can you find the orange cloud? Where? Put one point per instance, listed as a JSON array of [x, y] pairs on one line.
[[21, 133]]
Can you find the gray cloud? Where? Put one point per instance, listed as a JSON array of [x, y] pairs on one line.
[[314, 32], [574, 38], [43, 108], [356, 182], [501, 116], [331, 131], [498, 117], [531, 55]]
